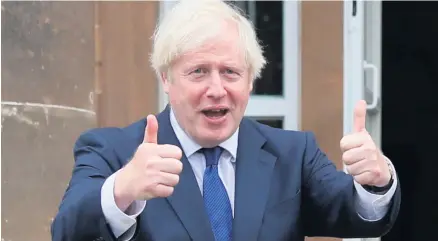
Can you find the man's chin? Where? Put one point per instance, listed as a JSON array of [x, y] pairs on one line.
[[213, 137]]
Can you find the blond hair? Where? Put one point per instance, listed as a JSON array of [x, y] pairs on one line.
[[190, 23]]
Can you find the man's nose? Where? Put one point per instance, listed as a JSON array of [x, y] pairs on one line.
[[216, 87]]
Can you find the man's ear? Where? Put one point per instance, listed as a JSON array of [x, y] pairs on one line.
[[165, 81]]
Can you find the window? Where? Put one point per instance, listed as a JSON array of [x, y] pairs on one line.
[[276, 95], [267, 18], [273, 122]]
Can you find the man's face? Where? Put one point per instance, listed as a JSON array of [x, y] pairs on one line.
[[209, 89]]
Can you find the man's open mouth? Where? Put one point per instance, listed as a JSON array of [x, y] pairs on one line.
[[215, 113]]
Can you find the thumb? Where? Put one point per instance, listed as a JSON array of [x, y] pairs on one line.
[[151, 130], [360, 114]]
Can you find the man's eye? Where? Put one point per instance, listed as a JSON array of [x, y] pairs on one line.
[[229, 71], [198, 71]]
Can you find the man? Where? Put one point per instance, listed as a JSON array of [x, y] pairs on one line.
[[200, 171]]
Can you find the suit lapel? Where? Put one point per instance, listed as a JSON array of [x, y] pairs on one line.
[[186, 199], [254, 168]]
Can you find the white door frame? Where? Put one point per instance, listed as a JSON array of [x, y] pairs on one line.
[[373, 56], [288, 105], [362, 53]]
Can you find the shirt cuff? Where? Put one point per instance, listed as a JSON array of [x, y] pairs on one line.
[[373, 207], [123, 224]]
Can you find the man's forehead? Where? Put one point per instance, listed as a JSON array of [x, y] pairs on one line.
[[214, 54]]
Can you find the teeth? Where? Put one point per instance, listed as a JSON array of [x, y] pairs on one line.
[[217, 111]]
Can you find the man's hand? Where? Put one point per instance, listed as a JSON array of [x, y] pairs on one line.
[[364, 161], [152, 172]]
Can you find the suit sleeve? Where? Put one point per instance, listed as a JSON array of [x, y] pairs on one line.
[[329, 201], [374, 206], [122, 224], [80, 216]]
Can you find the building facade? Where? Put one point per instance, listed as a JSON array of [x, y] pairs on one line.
[[71, 66]]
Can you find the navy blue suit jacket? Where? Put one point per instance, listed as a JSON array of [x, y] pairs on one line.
[[286, 189]]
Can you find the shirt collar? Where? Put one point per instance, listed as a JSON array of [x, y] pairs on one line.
[[189, 146]]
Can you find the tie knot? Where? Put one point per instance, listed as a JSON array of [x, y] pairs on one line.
[[212, 155]]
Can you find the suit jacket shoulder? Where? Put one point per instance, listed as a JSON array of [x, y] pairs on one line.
[[282, 142], [115, 145]]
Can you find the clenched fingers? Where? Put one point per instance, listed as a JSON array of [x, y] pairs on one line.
[[365, 178], [163, 191], [169, 165], [159, 190], [354, 155], [168, 179], [358, 167], [168, 151], [164, 151], [165, 185], [353, 141]]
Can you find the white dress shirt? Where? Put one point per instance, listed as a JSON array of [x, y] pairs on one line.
[[369, 206]]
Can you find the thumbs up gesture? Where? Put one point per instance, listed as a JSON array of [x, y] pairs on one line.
[[152, 172], [363, 160]]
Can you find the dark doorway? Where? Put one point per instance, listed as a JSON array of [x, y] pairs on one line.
[[409, 117]]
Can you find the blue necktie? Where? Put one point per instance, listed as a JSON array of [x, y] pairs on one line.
[[216, 198]]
